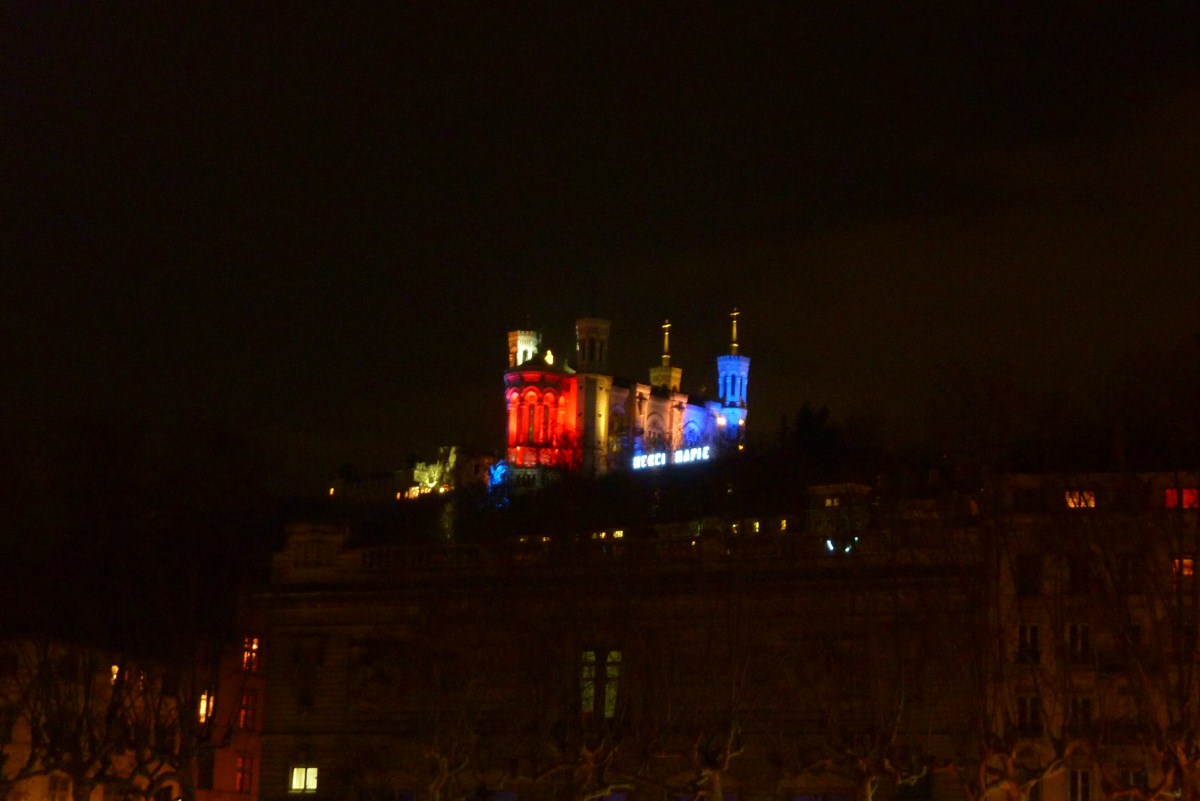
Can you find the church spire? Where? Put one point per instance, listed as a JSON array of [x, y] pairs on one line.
[[733, 316], [665, 375], [666, 356]]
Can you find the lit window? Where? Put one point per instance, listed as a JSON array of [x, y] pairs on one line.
[[1183, 567], [207, 706], [783, 524], [599, 677], [755, 524], [244, 777], [618, 534], [250, 654], [116, 671], [1080, 499], [1183, 498], [830, 502], [246, 710], [304, 779]]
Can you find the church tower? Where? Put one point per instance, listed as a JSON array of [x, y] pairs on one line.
[[595, 393], [733, 376], [522, 346], [591, 345], [665, 375]]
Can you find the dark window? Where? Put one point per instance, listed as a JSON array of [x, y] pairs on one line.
[[1028, 575], [1079, 713], [1079, 642], [1079, 785], [1029, 500], [8, 719], [9, 660], [206, 765], [60, 788], [1029, 716], [1079, 576], [1029, 647], [1130, 573]]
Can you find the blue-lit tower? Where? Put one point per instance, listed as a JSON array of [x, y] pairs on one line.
[[733, 377]]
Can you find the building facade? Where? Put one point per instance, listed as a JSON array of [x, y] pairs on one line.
[[579, 418], [1034, 638]]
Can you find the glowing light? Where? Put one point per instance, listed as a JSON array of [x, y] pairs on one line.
[[721, 420], [304, 779], [783, 524], [1080, 499], [681, 456], [618, 534], [1188, 498], [207, 706], [116, 671], [250, 654], [829, 545], [549, 357], [331, 490]]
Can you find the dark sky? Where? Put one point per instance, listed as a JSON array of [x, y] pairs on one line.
[[317, 225]]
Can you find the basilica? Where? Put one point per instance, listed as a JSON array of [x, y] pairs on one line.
[[581, 419]]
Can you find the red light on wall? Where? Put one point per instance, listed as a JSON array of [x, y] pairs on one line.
[[1188, 498]]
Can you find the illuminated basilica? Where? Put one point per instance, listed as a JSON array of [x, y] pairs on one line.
[[581, 419]]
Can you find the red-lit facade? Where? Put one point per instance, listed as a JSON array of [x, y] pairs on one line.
[[580, 418], [542, 418]]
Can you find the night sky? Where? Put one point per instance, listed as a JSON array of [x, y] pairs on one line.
[[315, 226]]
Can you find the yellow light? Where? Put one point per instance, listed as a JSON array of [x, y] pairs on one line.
[[545, 539], [116, 671], [742, 422], [618, 534], [399, 495], [721, 420], [1082, 499], [206, 706], [331, 490], [549, 357]]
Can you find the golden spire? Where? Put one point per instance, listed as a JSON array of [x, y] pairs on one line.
[[666, 327], [733, 316]]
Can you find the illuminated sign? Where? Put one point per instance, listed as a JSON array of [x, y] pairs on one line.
[[681, 456]]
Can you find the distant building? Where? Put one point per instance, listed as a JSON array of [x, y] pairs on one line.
[[582, 419]]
